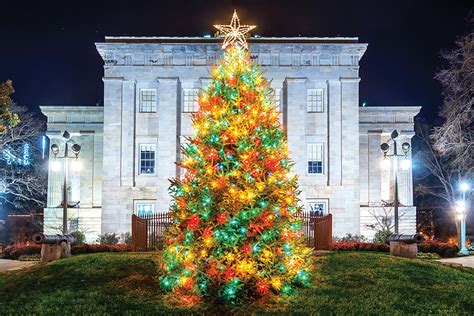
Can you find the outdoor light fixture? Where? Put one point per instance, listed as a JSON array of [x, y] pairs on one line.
[[464, 186], [405, 165], [75, 167], [461, 212], [55, 149], [55, 166]]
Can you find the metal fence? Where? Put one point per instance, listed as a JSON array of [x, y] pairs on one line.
[[148, 231]]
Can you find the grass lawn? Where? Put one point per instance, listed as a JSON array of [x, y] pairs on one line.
[[351, 282]]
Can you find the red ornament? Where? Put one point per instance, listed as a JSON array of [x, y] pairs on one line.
[[212, 154], [233, 82], [229, 273], [207, 232], [222, 218], [262, 288], [193, 222], [272, 164], [247, 248]]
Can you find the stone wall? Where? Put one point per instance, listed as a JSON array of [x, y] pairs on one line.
[[168, 68]]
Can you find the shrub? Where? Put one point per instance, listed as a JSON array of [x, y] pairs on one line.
[[15, 251], [444, 249], [360, 246], [381, 235], [108, 239], [80, 237], [349, 238], [86, 248]]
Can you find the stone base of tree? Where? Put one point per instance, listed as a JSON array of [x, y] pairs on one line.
[[55, 251], [401, 249]]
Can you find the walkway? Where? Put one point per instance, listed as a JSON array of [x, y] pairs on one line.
[[467, 261], [10, 265]]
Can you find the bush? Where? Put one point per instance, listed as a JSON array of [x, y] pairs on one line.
[[360, 246], [381, 235], [350, 238], [108, 239], [444, 249], [17, 251], [86, 248], [80, 237]]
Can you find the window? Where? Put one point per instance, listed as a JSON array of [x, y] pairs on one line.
[[315, 158], [190, 100], [144, 208], [147, 158], [318, 207], [277, 99], [315, 100], [147, 100]]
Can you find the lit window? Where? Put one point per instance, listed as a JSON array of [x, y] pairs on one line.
[[277, 99], [144, 209], [190, 100], [315, 158], [147, 158], [148, 100], [315, 100]]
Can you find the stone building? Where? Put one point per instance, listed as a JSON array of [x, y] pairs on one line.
[[130, 145]]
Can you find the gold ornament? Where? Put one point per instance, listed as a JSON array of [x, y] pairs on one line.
[[234, 33]]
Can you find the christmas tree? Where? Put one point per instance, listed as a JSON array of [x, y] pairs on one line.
[[236, 235]]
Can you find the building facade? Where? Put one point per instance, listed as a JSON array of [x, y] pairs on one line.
[[150, 87]]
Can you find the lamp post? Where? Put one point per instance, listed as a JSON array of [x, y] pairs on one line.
[[76, 149], [462, 213], [405, 164]]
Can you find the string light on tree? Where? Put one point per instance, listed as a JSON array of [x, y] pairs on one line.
[[235, 233]]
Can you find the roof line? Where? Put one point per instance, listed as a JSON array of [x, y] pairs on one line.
[[217, 40]]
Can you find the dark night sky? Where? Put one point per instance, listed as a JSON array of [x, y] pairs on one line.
[[47, 47]]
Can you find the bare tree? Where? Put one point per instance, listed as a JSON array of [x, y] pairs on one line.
[[383, 215], [22, 175], [454, 138], [437, 174]]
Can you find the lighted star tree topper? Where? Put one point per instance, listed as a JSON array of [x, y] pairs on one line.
[[236, 235]]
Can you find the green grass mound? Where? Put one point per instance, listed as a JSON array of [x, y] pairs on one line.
[[125, 283]]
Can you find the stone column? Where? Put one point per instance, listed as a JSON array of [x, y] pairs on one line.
[[295, 122], [373, 166], [98, 169], [335, 133], [112, 156], [405, 181], [349, 221], [86, 158], [128, 134], [166, 151]]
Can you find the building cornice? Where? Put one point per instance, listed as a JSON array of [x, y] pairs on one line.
[[388, 115], [46, 109], [218, 40], [200, 51]]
